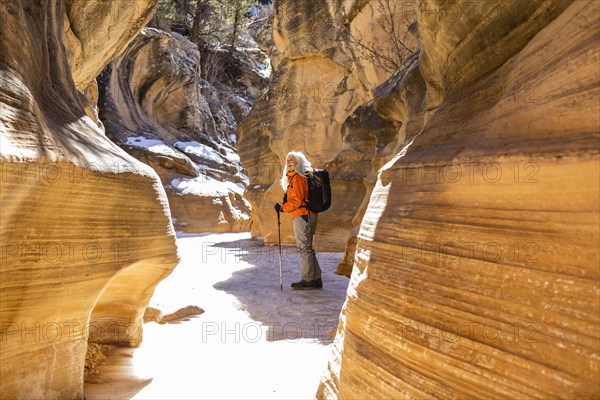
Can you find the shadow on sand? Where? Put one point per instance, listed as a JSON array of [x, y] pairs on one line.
[[289, 314]]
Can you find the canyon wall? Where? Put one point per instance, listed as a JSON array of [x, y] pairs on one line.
[[320, 78], [85, 229], [476, 268], [155, 106]]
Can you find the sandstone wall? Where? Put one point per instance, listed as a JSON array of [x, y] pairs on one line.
[[87, 51], [319, 81], [85, 230], [156, 106], [476, 270], [384, 121]]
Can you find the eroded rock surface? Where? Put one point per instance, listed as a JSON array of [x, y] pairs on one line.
[[476, 268], [85, 228], [156, 106]]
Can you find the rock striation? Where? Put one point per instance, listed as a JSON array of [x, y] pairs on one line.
[[156, 106], [476, 266], [85, 230]]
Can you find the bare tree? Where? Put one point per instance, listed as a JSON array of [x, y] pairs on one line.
[[389, 52], [213, 62]]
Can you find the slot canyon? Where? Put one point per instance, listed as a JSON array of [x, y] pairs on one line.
[[142, 144]]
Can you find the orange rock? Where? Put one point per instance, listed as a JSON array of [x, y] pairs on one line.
[[85, 228], [476, 268]]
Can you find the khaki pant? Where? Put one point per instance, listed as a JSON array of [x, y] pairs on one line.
[[304, 231]]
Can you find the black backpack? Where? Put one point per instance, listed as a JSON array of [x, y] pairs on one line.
[[319, 191]]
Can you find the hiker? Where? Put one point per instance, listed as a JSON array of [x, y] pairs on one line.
[[295, 185]]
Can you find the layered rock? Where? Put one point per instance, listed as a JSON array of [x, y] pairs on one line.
[[156, 106], [88, 51], [378, 125], [85, 228], [321, 76], [476, 270]]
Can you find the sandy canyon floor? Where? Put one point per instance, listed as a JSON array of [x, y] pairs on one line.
[[253, 341]]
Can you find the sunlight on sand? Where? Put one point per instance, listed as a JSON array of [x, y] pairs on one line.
[[252, 341]]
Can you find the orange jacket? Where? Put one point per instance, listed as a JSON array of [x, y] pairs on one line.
[[297, 195]]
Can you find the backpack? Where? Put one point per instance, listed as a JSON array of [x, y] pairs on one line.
[[319, 191]]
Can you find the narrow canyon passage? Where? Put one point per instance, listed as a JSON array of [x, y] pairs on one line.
[[252, 341]]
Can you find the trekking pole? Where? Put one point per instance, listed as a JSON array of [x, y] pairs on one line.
[[279, 239]]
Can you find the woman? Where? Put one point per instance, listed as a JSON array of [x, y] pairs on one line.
[[295, 185]]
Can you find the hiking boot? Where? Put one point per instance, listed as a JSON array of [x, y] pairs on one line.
[[299, 285], [307, 285]]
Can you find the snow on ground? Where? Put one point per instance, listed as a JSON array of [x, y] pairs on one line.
[[201, 185], [205, 186], [200, 150], [153, 145], [253, 341]]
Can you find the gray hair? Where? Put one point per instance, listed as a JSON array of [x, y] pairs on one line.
[[303, 167]]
